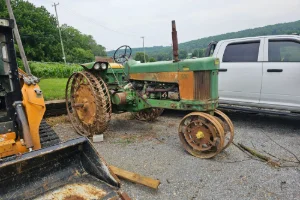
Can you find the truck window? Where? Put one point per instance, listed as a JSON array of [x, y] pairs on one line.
[[241, 52], [284, 51]]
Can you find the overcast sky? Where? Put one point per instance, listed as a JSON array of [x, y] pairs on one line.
[[116, 22]]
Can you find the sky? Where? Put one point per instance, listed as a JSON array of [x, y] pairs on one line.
[[114, 23]]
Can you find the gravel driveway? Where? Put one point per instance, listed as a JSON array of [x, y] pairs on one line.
[[154, 149]]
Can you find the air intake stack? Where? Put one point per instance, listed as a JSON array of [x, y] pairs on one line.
[[175, 42]]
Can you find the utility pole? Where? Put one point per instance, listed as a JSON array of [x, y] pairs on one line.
[[61, 41], [143, 37], [18, 38]]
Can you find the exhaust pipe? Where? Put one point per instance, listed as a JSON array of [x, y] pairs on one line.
[[175, 42]]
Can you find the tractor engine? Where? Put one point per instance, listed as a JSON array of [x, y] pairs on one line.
[[182, 85]]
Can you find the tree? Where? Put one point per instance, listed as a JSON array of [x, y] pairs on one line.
[[99, 50], [74, 39], [37, 29], [139, 56], [195, 53], [201, 53], [152, 59], [183, 54], [40, 37], [79, 55]]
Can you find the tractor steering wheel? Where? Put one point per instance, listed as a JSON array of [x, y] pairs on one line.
[[122, 54]]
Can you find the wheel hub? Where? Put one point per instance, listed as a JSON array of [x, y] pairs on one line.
[[86, 110], [200, 135]]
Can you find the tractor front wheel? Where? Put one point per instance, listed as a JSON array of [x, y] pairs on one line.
[[201, 134], [227, 125], [88, 103]]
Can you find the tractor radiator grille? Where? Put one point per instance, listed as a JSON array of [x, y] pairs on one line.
[[202, 85]]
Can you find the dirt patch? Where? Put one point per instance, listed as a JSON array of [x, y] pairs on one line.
[[154, 149], [52, 121]]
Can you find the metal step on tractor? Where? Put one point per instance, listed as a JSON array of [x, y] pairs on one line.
[[145, 89]]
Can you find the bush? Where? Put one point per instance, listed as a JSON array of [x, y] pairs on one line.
[[53, 70]]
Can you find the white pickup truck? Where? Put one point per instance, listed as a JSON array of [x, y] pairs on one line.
[[261, 72]]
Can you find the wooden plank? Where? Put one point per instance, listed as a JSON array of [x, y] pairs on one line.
[[124, 196], [136, 178]]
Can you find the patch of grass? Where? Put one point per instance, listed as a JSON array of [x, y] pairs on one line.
[[53, 88], [53, 69]]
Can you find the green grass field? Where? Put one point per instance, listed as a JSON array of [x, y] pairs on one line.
[[53, 88]]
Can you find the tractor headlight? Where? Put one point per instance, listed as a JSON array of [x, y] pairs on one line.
[[103, 66], [97, 66], [217, 61]]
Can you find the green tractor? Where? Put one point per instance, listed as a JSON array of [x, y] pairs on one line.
[[145, 89]]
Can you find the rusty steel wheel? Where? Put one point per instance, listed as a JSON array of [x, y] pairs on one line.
[[227, 125], [201, 134], [88, 103], [149, 114]]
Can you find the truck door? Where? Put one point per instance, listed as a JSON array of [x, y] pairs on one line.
[[281, 72], [240, 73]]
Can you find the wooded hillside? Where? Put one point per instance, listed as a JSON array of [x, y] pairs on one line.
[[165, 53]]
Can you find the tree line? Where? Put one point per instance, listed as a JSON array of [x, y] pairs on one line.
[[40, 37], [197, 47]]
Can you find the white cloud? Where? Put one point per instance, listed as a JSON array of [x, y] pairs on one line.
[[152, 18]]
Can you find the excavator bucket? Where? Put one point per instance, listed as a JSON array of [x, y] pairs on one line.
[[69, 170]]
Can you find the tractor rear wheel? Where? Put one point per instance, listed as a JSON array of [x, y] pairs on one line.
[[201, 134], [88, 103]]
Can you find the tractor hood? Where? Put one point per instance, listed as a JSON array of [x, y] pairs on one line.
[[88, 65], [110, 65], [197, 64]]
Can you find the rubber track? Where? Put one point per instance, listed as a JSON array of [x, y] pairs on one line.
[[48, 136]]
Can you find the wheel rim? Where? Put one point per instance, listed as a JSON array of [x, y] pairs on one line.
[[228, 127], [201, 135], [88, 103]]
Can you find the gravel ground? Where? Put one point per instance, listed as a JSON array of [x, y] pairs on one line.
[[154, 149]]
